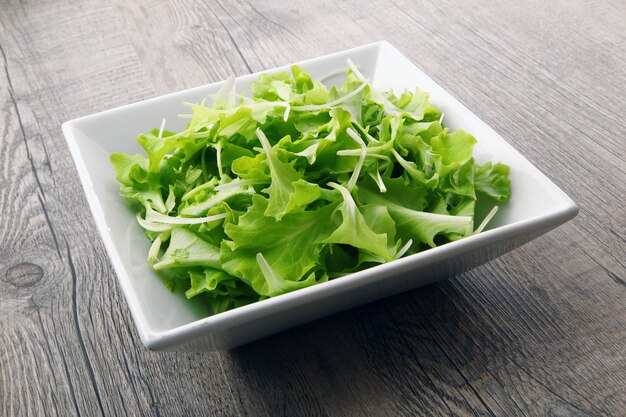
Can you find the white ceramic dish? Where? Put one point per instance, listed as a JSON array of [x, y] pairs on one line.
[[168, 321]]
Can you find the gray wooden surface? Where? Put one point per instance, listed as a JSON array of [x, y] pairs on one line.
[[540, 331]]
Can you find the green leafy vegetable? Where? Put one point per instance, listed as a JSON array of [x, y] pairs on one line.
[[299, 184]]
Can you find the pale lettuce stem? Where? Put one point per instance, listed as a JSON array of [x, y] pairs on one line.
[[356, 138], [355, 70], [156, 246], [359, 165], [405, 164], [347, 198], [170, 202], [238, 183], [154, 250], [218, 148], [357, 152], [227, 93], [379, 181], [286, 114], [487, 219], [161, 129], [266, 269], [404, 249], [151, 226], [155, 217], [274, 284], [365, 132], [435, 217], [267, 148]]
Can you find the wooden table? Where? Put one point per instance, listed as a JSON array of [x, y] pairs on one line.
[[540, 331]]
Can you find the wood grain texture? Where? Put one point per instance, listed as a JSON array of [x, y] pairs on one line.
[[539, 331]]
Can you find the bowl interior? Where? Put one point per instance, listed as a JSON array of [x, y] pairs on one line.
[[93, 138]]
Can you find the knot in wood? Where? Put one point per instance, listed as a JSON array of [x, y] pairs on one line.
[[25, 274]]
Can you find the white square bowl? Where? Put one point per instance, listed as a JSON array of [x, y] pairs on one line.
[[167, 320]]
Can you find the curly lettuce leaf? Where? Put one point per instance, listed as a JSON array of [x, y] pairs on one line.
[[288, 192], [290, 245], [353, 229]]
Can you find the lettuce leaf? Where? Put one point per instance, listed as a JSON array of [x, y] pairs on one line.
[[291, 246]]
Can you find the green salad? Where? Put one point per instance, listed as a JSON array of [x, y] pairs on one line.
[[300, 184]]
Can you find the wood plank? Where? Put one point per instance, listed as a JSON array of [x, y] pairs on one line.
[[540, 331]]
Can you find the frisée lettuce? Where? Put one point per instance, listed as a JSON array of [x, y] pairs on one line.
[[299, 184]]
